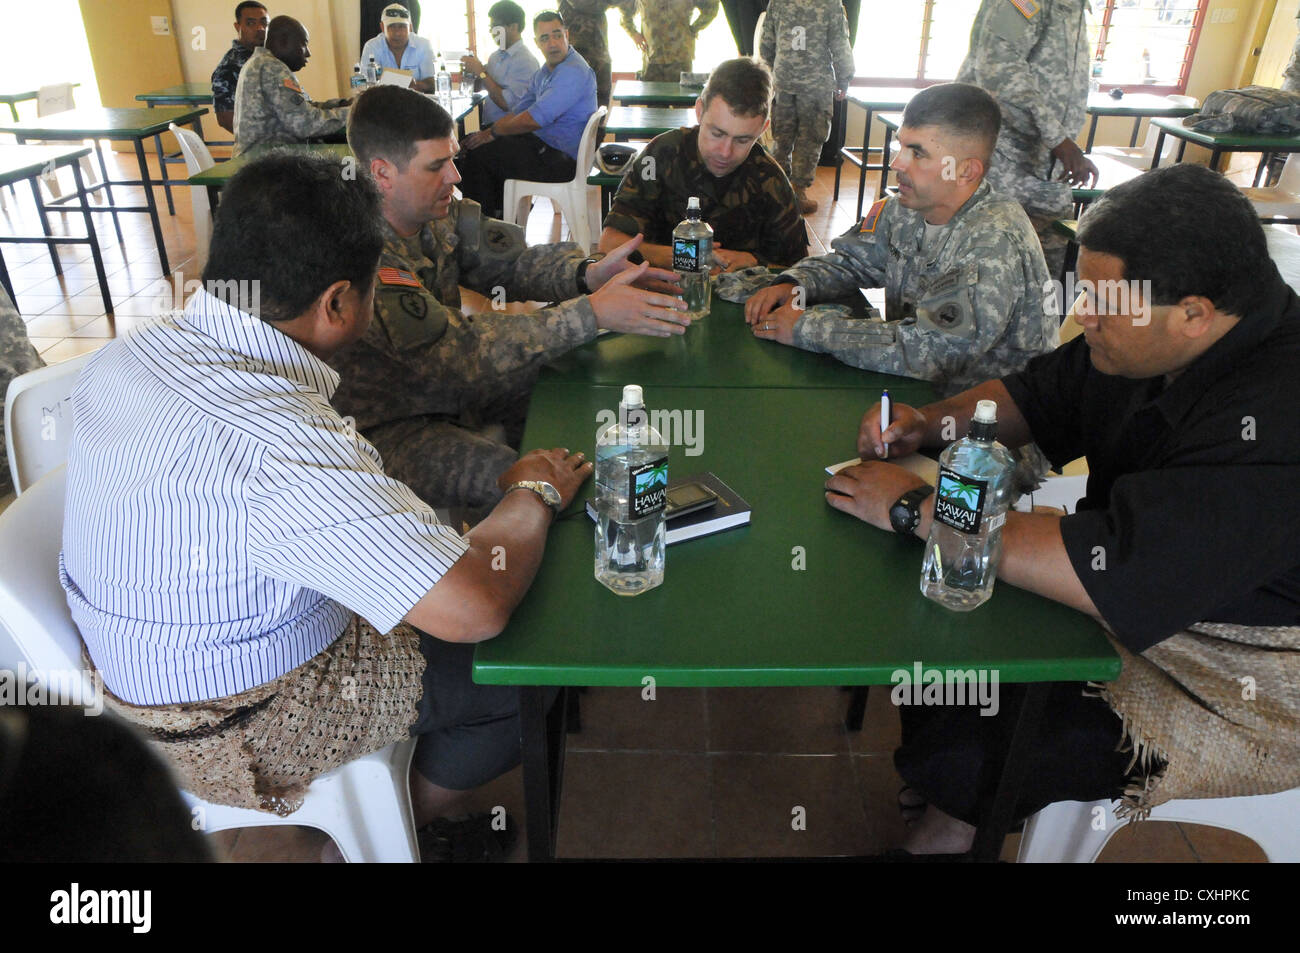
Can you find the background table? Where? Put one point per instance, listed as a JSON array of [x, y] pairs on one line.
[[1138, 105], [630, 92], [892, 122], [627, 122], [870, 100], [13, 99], [1220, 142], [30, 162], [732, 611], [182, 94], [134, 125]]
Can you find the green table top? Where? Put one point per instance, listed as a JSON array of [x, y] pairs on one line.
[[647, 120], [629, 92], [222, 172], [1230, 141], [882, 97], [718, 351], [139, 123], [1136, 104], [199, 93], [22, 162], [732, 610]]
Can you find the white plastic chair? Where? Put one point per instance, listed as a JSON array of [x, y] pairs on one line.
[[365, 805], [38, 420], [1282, 201], [571, 197], [1140, 156], [58, 98], [197, 159], [1065, 832]]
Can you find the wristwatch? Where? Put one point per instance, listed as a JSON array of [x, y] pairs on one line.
[[549, 494], [905, 514], [482, 74], [582, 274]]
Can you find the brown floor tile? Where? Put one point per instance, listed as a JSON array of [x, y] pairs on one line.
[[778, 720], [71, 347], [1214, 845], [1147, 842], [281, 844], [755, 797], [878, 784], [880, 732], [57, 324], [620, 718], [43, 344], [97, 328], [645, 804]]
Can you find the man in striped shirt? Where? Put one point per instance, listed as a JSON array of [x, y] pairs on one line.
[[245, 576]]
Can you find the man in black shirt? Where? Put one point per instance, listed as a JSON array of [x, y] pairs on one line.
[[1182, 394], [251, 21]]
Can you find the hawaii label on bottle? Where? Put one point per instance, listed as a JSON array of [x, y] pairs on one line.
[[648, 491], [686, 254], [959, 501]]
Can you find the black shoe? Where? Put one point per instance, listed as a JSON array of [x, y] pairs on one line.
[[471, 840]]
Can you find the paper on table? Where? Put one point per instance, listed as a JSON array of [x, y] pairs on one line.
[[918, 463], [396, 77]]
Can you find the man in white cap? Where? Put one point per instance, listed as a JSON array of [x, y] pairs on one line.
[[396, 47]]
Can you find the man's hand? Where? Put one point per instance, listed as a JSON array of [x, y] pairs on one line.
[[733, 260], [867, 490], [1079, 170], [473, 62], [904, 435], [771, 297], [621, 307], [661, 280], [778, 325], [563, 470], [841, 95], [639, 40], [476, 139]]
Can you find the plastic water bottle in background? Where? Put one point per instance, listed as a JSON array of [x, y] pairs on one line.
[[970, 507], [631, 490], [1094, 80], [692, 257], [372, 72], [358, 80], [444, 84]]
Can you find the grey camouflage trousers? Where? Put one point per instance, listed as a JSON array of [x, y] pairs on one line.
[[801, 124]]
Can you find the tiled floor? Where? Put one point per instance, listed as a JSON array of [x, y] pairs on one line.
[[695, 773]]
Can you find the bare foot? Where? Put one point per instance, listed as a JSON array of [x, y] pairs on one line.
[[939, 833]]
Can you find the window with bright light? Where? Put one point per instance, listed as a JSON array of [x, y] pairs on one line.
[[1146, 44]]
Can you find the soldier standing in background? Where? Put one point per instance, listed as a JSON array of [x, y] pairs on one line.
[[667, 36], [589, 35], [1032, 55], [966, 288], [806, 43], [17, 356]]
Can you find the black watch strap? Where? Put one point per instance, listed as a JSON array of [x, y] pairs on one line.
[[582, 274], [905, 514]]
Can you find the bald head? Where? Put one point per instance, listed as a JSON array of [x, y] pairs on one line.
[[286, 40]]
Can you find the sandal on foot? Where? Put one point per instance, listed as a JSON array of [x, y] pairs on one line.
[[470, 840]]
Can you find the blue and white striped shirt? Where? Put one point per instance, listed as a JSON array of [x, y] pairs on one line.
[[223, 521]]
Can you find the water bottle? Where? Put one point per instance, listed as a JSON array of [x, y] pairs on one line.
[[970, 507], [631, 490], [372, 72], [358, 80], [444, 85], [692, 256], [1094, 81]]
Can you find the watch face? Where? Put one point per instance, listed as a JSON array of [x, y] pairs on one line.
[[550, 494]]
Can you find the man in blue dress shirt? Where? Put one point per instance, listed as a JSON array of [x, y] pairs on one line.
[[396, 47], [538, 140], [509, 71]]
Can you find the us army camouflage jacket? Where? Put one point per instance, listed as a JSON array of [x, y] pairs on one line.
[[667, 27], [978, 306], [1032, 55], [585, 21], [806, 42], [272, 109], [422, 356], [17, 356]]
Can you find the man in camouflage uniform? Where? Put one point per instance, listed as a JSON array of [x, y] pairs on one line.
[[589, 35], [743, 193], [667, 36], [1032, 55], [967, 292], [806, 43], [1291, 75], [250, 21], [17, 356], [433, 388], [270, 107]]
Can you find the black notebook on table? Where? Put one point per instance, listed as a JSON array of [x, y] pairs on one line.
[[728, 512]]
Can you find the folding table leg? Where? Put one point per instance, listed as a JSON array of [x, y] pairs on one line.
[[93, 236], [153, 206], [45, 224], [162, 174], [108, 190]]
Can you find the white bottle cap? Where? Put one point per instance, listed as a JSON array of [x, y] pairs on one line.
[[632, 396], [693, 202], [986, 412]]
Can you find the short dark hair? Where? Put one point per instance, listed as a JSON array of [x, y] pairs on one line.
[[387, 121], [295, 223], [1188, 231], [745, 84], [506, 12], [547, 15], [960, 108], [239, 10]]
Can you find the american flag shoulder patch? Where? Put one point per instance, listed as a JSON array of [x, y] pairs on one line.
[[873, 216], [1027, 8], [395, 276], [291, 83]]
